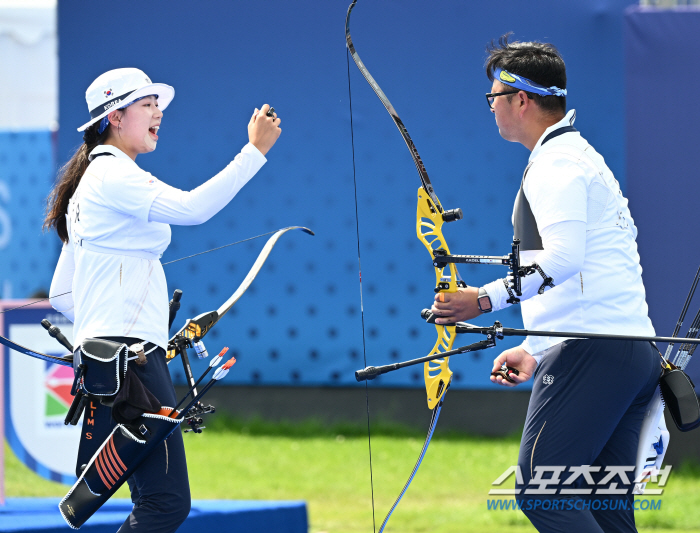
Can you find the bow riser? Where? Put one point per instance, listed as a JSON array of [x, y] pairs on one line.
[[193, 330], [429, 222]]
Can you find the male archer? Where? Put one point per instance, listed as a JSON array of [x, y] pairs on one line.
[[589, 396]]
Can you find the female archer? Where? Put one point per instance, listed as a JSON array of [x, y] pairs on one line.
[[114, 221]]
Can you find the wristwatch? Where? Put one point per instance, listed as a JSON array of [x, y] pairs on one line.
[[138, 350], [483, 301]]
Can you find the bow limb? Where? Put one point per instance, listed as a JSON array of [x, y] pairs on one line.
[[262, 257], [429, 436], [66, 360], [430, 217], [425, 180], [196, 328]]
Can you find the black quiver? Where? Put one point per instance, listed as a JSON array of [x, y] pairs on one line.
[[678, 392], [114, 462], [102, 374]]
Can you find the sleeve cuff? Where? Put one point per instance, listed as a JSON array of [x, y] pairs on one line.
[[498, 294], [258, 158]]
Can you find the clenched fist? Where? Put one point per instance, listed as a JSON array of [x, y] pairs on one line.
[[264, 130]]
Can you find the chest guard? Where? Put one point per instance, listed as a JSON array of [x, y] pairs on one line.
[[606, 205], [524, 224]]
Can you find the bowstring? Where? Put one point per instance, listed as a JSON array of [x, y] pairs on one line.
[[220, 247], [34, 302], [362, 309]]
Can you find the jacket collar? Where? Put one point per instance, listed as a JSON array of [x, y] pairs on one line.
[[568, 120], [107, 149]]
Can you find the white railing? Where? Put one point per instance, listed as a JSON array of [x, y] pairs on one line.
[[669, 3]]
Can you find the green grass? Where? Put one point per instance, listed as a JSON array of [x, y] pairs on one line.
[[328, 468]]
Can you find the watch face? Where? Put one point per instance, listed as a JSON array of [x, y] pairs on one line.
[[136, 348], [484, 303]]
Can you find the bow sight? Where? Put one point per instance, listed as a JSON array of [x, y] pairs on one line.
[[190, 337], [515, 270]]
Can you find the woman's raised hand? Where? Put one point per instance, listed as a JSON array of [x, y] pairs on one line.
[[264, 130]]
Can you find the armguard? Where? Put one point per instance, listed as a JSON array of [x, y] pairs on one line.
[[114, 462]]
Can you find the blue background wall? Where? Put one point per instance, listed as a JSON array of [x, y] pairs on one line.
[[661, 52], [26, 172], [300, 322]]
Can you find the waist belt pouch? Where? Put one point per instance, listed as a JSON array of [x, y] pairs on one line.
[[104, 366], [679, 395], [113, 463]]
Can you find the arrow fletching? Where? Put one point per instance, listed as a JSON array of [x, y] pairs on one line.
[[216, 360], [221, 372]]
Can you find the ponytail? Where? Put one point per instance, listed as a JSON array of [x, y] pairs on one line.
[[69, 176]]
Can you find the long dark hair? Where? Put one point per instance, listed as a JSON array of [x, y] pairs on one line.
[[68, 179]]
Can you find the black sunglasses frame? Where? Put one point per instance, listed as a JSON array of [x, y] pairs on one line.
[[489, 96]]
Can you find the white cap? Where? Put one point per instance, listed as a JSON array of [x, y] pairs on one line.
[[116, 88]]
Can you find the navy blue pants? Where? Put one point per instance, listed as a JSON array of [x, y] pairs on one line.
[[160, 488], [588, 401]]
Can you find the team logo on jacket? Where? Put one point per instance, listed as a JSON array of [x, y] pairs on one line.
[[108, 93], [548, 379]]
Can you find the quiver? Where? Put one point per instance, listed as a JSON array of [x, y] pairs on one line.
[[117, 458]]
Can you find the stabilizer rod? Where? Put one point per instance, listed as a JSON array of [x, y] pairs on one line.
[[372, 372], [500, 332]]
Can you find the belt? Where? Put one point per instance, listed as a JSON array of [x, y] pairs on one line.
[[141, 254]]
